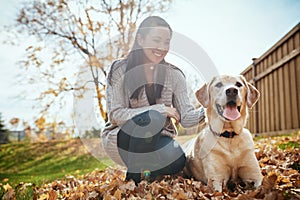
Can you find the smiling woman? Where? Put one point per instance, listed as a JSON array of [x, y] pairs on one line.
[[144, 96]]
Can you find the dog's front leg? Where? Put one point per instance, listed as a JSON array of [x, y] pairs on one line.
[[251, 172], [216, 171], [217, 177], [250, 175]]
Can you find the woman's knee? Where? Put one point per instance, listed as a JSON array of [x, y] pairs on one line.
[[144, 125], [149, 117], [171, 153]]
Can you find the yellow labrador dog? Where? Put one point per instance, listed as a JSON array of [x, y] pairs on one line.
[[224, 149]]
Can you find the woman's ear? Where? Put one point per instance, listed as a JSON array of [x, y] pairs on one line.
[[139, 39]]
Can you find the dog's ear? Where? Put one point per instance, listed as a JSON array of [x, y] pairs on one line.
[[252, 93], [203, 95]]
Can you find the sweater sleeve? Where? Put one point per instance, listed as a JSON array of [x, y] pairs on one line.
[[118, 107], [189, 116]]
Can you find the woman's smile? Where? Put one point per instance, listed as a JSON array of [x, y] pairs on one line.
[[159, 53], [156, 44]]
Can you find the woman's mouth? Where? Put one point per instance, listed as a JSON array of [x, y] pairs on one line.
[[158, 53]]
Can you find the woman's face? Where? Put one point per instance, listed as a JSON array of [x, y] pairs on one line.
[[155, 44]]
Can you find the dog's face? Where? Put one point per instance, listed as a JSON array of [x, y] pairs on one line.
[[227, 99]]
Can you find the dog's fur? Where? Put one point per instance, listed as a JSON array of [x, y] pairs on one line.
[[212, 158]]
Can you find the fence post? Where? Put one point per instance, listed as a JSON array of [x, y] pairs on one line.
[[253, 69]]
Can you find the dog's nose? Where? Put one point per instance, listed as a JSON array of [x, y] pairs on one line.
[[231, 92]]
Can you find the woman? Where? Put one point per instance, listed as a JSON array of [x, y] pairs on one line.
[[143, 94]]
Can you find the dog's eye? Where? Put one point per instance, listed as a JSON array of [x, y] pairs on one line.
[[238, 84], [218, 85]]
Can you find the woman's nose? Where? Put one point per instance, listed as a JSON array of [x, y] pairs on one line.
[[163, 47]]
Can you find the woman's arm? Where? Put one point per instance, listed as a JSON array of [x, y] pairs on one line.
[[189, 116]]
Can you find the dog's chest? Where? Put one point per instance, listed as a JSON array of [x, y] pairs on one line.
[[229, 149], [229, 145]]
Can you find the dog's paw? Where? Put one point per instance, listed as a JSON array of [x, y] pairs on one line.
[[216, 185], [257, 183], [250, 184]]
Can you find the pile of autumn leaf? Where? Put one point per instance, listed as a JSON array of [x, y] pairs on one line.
[[279, 158]]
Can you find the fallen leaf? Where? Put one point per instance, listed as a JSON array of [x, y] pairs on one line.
[[52, 195]]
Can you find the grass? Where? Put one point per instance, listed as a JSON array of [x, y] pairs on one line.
[[290, 144], [38, 163]]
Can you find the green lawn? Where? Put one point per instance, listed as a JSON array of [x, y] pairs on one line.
[[46, 161]]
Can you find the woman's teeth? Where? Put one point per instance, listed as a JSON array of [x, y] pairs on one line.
[[158, 54]]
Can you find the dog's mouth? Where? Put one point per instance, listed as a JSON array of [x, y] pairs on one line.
[[231, 111]]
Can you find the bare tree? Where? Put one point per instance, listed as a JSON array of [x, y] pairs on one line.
[[69, 32]]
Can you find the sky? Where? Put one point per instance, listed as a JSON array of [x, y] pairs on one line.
[[231, 32]]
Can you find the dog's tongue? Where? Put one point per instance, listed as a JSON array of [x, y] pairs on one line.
[[231, 113]]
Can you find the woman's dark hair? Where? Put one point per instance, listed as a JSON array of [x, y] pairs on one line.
[[136, 58]]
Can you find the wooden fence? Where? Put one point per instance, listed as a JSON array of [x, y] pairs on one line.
[[276, 74]]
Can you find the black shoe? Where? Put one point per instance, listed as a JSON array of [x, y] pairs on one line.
[[136, 177]]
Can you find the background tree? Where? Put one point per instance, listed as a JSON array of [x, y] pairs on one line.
[[3, 132], [67, 35]]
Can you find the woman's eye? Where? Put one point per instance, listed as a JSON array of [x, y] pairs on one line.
[[156, 41], [238, 84], [219, 84]]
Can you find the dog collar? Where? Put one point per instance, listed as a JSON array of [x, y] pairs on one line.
[[228, 134], [225, 134]]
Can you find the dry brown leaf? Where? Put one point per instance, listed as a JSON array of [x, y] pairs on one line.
[[269, 181], [52, 195], [118, 194]]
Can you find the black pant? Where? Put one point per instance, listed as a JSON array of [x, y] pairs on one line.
[[142, 147]]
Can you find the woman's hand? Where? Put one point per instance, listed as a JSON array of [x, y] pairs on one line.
[[172, 113]]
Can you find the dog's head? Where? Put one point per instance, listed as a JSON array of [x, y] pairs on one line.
[[227, 99]]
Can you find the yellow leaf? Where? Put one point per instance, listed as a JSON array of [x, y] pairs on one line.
[[118, 194], [284, 180], [5, 180], [7, 187], [43, 196], [107, 197], [287, 185]]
